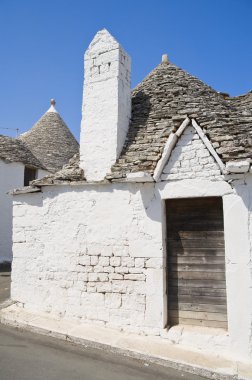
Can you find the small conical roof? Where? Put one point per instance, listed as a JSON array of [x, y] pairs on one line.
[[50, 140], [14, 150]]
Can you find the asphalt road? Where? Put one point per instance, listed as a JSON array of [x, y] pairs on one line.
[[27, 356]]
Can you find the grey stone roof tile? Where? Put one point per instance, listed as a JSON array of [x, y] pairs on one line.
[[160, 103], [51, 141], [14, 150], [70, 172]]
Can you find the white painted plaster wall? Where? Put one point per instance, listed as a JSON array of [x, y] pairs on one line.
[[105, 261], [238, 243], [101, 261], [11, 176], [237, 199], [190, 158], [42, 173], [98, 253], [106, 107]]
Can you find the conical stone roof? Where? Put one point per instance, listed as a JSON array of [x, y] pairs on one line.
[[51, 141], [163, 100], [14, 150], [160, 103]]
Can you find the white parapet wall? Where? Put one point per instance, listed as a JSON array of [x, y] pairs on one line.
[[106, 107]]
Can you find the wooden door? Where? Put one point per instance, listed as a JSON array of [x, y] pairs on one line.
[[196, 262]]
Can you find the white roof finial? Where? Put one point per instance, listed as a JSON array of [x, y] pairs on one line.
[[52, 108], [165, 58]]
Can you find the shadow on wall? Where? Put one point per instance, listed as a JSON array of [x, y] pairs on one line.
[[141, 107]]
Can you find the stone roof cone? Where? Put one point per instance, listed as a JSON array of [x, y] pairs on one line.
[[50, 140]]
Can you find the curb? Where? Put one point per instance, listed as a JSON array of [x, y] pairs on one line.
[[142, 356]]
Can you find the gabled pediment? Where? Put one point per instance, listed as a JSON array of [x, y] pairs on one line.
[[188, 153]]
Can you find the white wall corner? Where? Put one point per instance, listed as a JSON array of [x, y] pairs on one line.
[[139, 177], [106, 109], [208, 145], [238, 166]]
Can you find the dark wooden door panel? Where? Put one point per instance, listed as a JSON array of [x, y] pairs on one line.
[[196, 262]]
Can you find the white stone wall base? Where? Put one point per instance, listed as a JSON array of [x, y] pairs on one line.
[[176, 354]]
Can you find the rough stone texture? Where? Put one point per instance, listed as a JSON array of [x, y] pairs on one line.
[[238, 166], [70, 172], [96, 253], [11, 177], [86, 262], [191, 159], [51, 141], [106, 107], [163, 100], [14, 150]]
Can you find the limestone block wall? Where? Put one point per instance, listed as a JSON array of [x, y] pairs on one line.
[[92, 253], [11, 176], [106, 109], [191, 159]]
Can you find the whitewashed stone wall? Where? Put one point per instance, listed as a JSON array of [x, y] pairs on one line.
[[97, 253], [41, 173], [92, 253], [238, 250], [11, 176], [191, 159], [106, 110]]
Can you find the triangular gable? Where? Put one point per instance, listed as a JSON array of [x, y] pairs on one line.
[[200, 159]]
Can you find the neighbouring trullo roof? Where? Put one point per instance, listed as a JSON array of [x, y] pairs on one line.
[[160, 103], [50, 140], [14, 150], [48, 145]]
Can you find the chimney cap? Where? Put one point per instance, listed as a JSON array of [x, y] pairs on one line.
[[165, 58]]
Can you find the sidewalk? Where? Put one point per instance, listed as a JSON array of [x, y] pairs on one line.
[[152, 349]]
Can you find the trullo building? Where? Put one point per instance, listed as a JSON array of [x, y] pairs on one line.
[[150, 230], [44, 149]]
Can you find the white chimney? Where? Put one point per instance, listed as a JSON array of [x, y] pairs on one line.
[[106, 109]]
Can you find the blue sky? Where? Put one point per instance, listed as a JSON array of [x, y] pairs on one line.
[[42, 44]]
